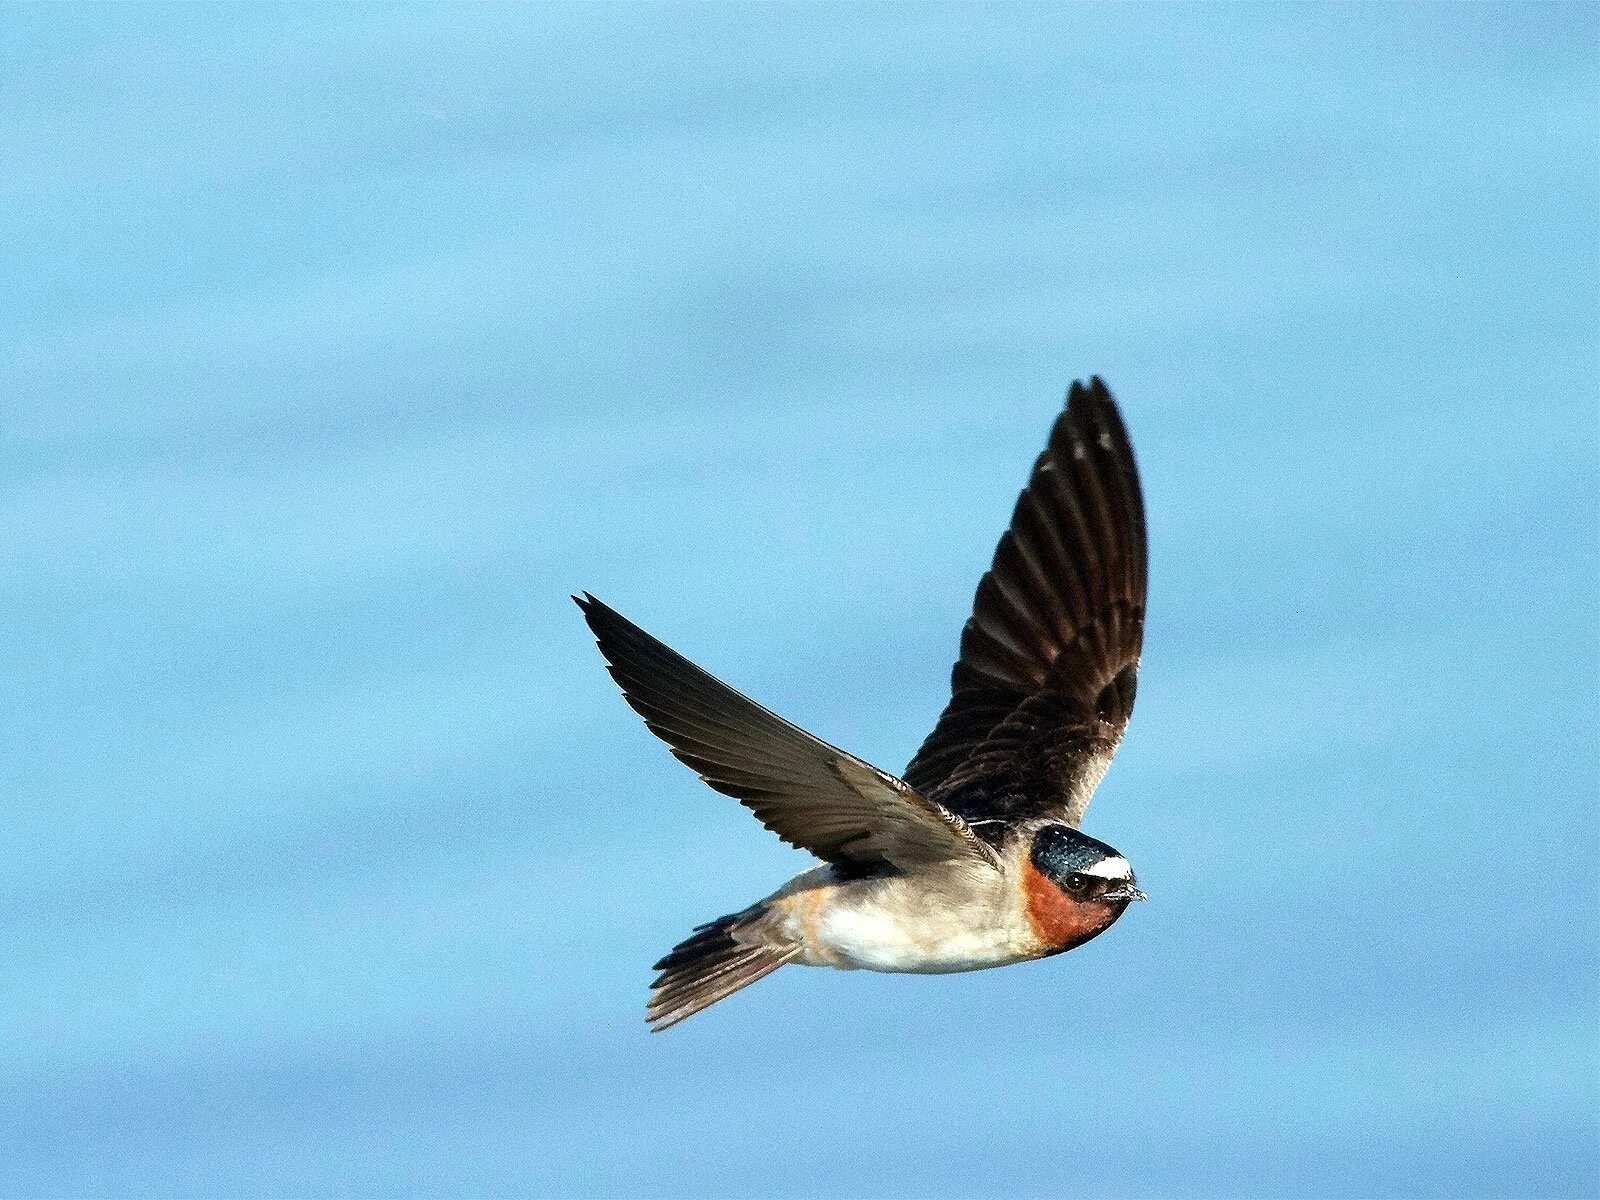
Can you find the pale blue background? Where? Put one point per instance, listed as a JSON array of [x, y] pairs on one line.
[[340, 344]]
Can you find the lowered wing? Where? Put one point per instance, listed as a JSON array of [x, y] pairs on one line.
[[809, 793]]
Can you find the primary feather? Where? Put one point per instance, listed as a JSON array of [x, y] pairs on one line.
[[1044, 686]]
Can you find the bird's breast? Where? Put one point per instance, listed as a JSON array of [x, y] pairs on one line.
[[910, 924]]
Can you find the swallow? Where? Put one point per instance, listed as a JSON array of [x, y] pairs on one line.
[[972, 857]]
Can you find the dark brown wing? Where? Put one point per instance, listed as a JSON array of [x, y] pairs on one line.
[[809, 793], [1045, 683]]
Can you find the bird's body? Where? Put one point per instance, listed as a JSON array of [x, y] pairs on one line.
[[931, 922], [973, 859], [923, 923]]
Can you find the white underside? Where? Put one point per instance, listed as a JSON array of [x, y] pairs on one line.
[[901, 924], [872, 941]]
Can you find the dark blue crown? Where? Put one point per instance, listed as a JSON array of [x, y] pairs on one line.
[[1059, 850]]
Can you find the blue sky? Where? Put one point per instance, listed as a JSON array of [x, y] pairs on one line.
[[340, 344]]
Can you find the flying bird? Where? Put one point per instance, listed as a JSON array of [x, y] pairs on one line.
[[972, 857]]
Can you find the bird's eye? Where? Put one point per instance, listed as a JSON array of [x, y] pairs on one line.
[[1078, 883]]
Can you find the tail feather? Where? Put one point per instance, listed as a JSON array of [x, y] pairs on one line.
[[720, 958]]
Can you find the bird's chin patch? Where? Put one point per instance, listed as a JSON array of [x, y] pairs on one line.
[[1059, 921]]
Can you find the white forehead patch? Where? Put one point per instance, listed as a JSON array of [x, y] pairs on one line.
[[1111, 868]]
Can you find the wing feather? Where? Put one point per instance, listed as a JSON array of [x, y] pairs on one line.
[[809, 793], [1045, 682]]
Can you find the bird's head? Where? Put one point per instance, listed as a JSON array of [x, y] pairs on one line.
[[1074, 886]]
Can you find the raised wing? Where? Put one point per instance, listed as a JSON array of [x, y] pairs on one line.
[[1045, 683], [809, 793]]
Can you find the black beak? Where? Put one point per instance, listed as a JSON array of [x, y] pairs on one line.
[[1125, 892]]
